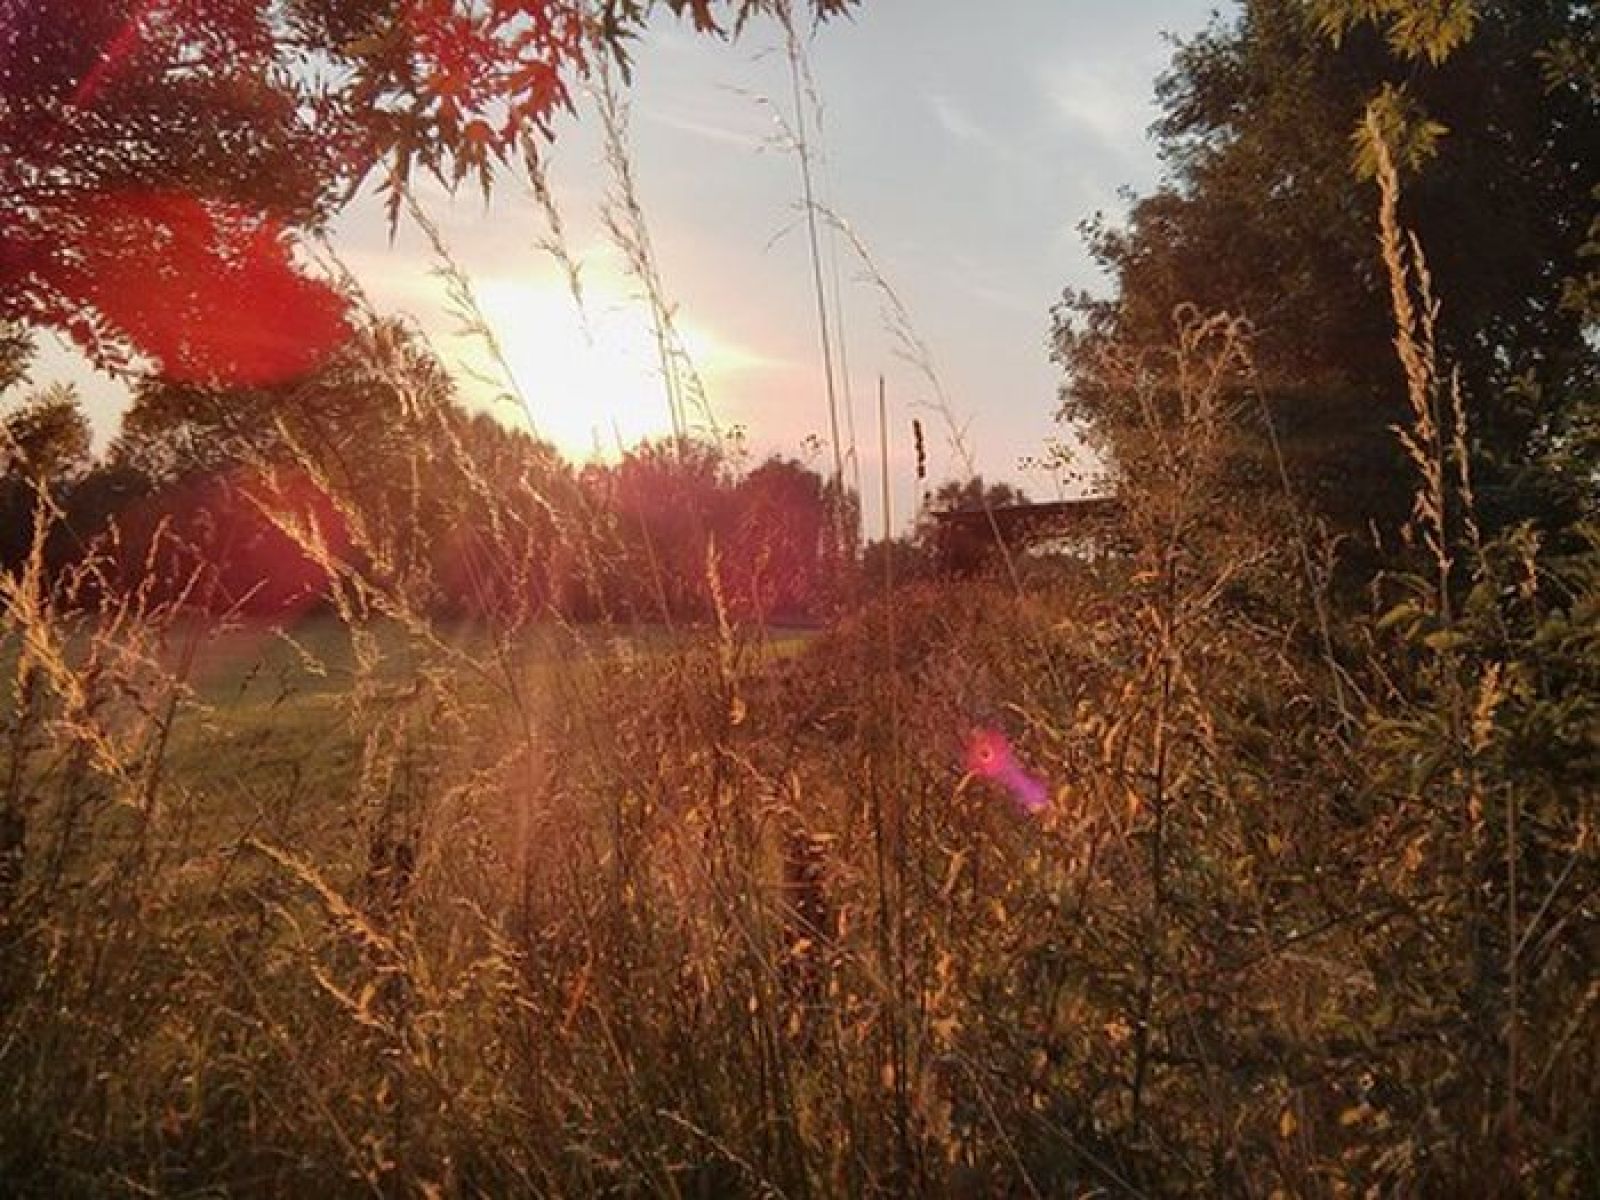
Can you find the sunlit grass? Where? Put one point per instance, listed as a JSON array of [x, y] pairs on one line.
[[1141, 876]]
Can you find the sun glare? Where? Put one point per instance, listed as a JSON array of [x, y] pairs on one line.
[[592, 377]]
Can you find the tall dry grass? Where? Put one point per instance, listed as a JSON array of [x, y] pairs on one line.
[[557, 903]]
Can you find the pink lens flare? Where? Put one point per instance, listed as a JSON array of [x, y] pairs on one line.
[[989, 756]]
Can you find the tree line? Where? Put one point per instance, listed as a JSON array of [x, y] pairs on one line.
[[248, 501], [255, 500]]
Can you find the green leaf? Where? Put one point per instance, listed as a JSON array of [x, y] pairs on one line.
[[1444, 640]]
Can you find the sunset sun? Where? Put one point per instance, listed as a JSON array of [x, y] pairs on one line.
[[591, 376]]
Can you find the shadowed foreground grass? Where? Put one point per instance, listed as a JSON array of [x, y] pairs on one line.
[[462, 913], [1300, 899]]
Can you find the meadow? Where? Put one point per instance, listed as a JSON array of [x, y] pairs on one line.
[[389, 807], [1174, 868], [1086, 879]]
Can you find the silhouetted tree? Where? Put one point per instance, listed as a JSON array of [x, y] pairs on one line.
[[512, 519], [47, 437], [659, 508], [44, 449], [781, 555], [973, 495], [1265, 214]]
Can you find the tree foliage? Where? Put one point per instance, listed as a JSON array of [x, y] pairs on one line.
[[47, 437], [164, 143], [181, 144], [1263, 216], [1432, 29], [973, 494], [45, 444]]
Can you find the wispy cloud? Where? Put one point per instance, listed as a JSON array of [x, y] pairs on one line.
[[956, 121], [711, 131], [959, 124], [1005, 300], [1108, 104]]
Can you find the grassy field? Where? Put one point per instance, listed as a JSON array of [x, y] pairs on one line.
[[1173, 873], [440, 912], [259, 695]]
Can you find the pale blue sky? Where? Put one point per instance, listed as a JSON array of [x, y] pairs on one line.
[[965, 142]]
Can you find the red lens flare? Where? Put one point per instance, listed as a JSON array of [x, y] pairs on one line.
[[210, 292]]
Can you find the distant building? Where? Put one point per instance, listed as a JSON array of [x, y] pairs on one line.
[[967, 541]]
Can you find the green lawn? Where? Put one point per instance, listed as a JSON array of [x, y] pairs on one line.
[[266, 708]]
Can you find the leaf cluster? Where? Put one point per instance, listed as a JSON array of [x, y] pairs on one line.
[[1262, 215]]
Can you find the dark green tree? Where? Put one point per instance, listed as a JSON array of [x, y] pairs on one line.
[[45, 448], [973, 495], [47, 437], [16, 353], [1265, 214]]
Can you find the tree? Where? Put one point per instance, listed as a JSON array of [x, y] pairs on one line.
[[47, 438], [961, 495], [511, 512], [16, 353], [672, 531], [781, 554], [973, 495], [349, 411], [1265, 215], [352, 443], [451, 512], [44, 447], [153, 157], [460, 88], [658, 510], [157, 157]]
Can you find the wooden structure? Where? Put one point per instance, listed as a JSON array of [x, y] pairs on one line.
[[968, 540]]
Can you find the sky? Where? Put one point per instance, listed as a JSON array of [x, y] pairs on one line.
[[962, 144]]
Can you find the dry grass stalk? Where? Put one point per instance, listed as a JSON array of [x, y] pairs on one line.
[[624, 217]]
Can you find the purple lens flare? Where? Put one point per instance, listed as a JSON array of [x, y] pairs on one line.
[[989, 756]]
